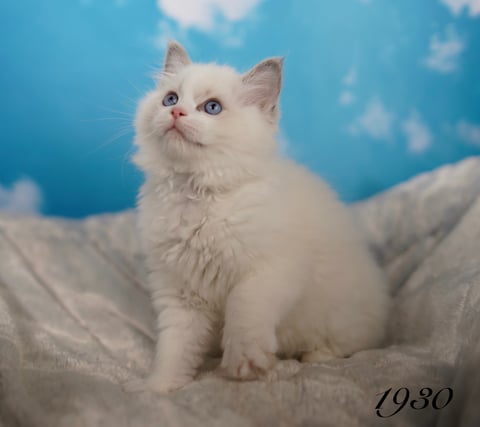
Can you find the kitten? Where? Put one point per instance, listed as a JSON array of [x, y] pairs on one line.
[[247, 251]]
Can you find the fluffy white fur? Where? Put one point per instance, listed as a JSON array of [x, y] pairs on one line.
[[248, 252]]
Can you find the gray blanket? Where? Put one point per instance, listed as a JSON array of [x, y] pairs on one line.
[[76, 322]]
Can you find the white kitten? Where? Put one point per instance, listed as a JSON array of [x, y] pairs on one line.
[[247, 251]]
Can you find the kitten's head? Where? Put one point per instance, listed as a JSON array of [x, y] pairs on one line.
[[208, 120]]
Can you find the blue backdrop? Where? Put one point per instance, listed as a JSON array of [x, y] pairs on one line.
[[374, 91]]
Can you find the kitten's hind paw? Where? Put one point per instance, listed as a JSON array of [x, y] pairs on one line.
[[251, 364], [283, 370]]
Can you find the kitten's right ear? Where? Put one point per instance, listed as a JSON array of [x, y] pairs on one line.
[[262, 86], [176, 57]]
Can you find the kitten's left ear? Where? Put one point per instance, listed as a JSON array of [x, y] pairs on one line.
[[175, 58], [262, 85]]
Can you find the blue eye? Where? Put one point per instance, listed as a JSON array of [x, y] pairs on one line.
[[213, 107], [170, 99]]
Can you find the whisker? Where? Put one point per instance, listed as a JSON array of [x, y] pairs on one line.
[[100, 119], [124, 113], [151, 133], [140, 92], [115, 137], [133, 101]]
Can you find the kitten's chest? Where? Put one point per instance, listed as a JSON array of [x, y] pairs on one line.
[[195, 238], [170, 219], [185, 218]]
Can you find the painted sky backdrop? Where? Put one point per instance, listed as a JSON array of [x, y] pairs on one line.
[[375, 91]]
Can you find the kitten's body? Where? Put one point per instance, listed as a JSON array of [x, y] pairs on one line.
[[248, 252]]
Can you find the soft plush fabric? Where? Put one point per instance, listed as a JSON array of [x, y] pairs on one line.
[[76, 322]]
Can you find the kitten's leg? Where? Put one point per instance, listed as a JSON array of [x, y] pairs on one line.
[[253, 309], [184, 339], [185, 336]]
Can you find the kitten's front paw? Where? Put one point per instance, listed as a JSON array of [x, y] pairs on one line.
[[155, 385], [246, 361]]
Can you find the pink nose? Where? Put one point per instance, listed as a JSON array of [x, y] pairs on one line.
[[177, 112]]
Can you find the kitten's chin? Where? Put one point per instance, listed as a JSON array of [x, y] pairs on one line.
[[176, 136]]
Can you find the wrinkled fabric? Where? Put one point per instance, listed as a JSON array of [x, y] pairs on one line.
[[76, 322]]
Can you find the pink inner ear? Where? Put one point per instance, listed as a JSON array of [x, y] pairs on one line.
[[260, 96], [262, 85], [175, 58], [265, 96]]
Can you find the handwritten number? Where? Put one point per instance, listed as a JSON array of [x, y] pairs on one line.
[[385, 394], [425, 393], [402, 402], [449, 399], [402, 395]]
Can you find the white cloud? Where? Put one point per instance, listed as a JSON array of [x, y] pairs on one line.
[[376, 121], [456, 6], [469, 132], [202, 14], [346, 98], [444, 51], [24, 197], [351, 77], [418, 134]]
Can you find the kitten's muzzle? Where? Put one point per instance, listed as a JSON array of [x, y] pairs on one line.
[[178, 112]]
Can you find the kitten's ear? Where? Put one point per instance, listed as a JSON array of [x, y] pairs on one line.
[[262, 85], [176, 57]]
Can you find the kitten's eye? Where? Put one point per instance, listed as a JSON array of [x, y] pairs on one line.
[[212, 107], [170, 99]]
